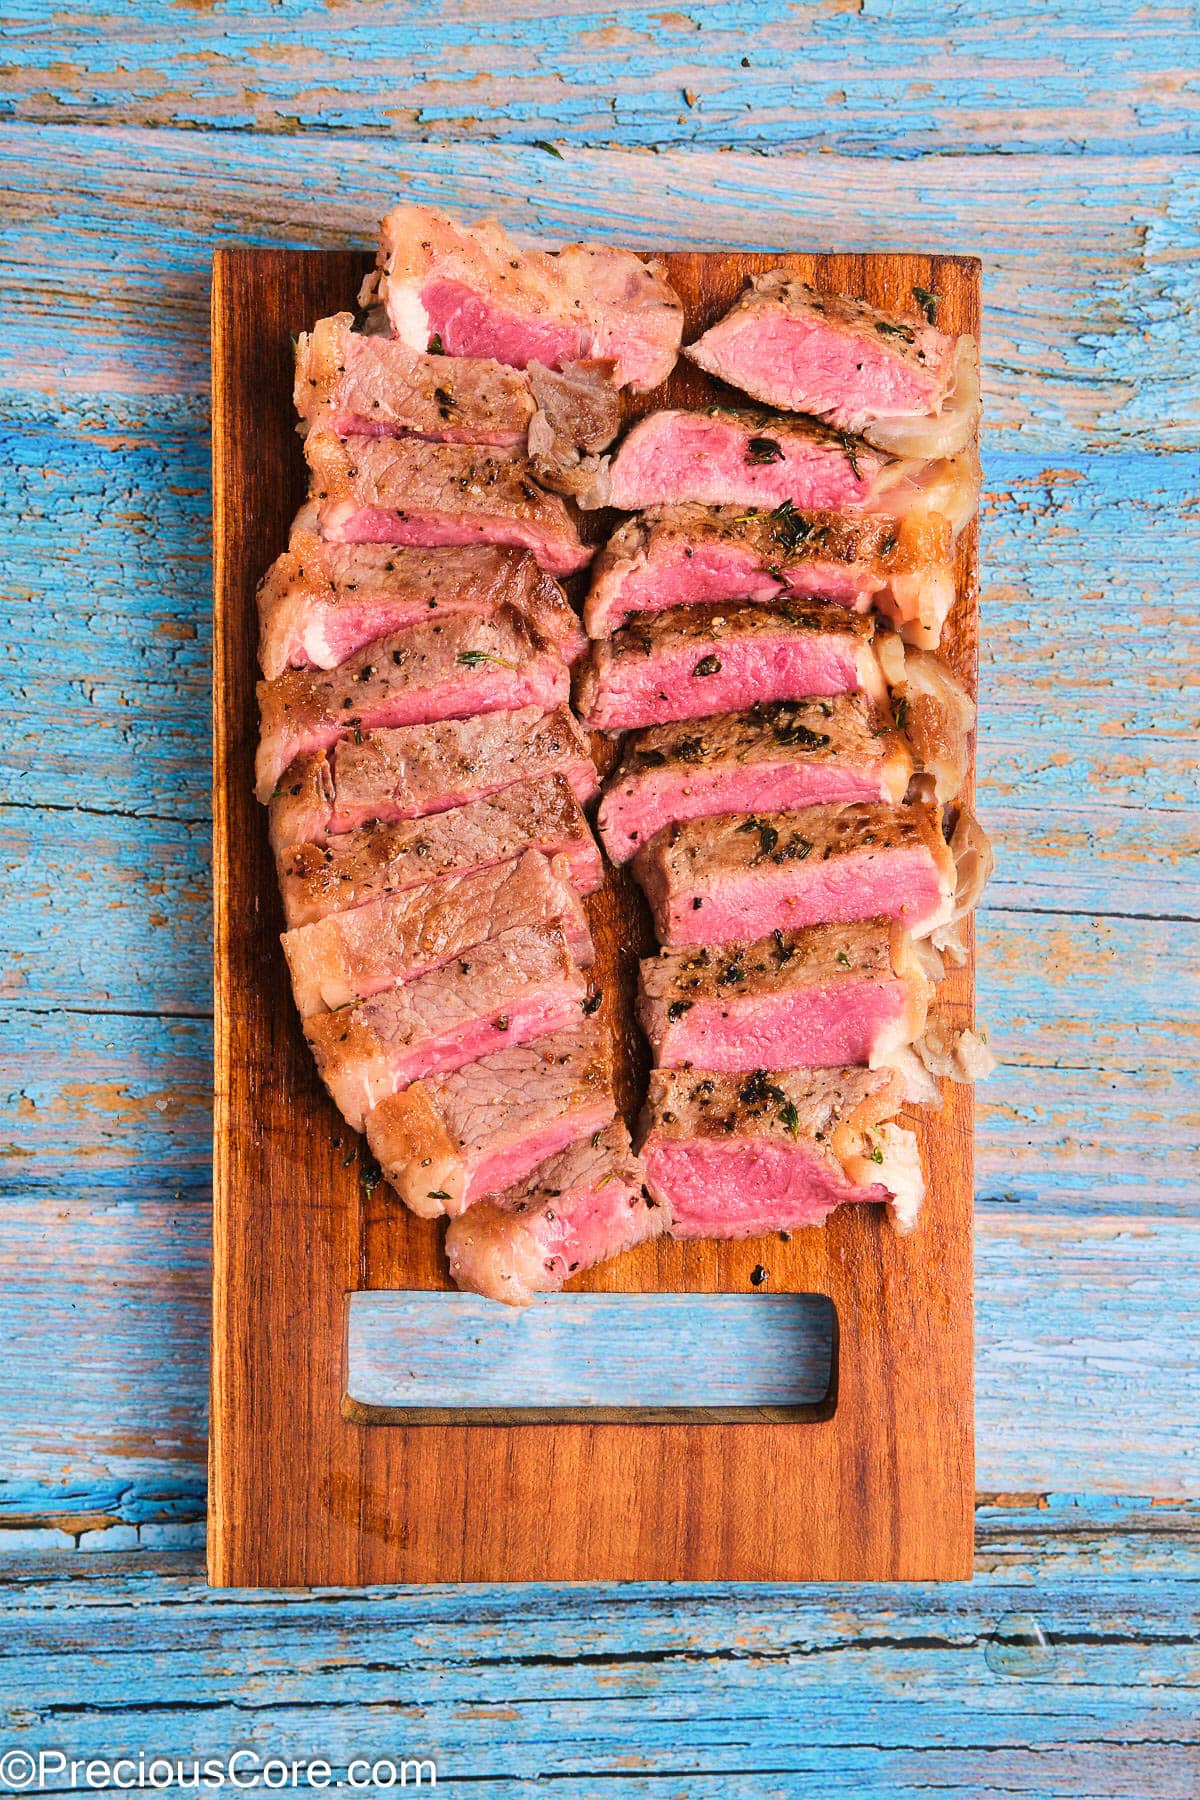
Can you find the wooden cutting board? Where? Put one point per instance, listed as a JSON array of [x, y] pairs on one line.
[[875, 1484]]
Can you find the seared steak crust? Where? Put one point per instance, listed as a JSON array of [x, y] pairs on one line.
[[679, 555], [825, 997], [736, 1155], [517, 986], [349, 956]]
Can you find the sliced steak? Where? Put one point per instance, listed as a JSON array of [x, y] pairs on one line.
[[358, 866], [582, 1207], [735, 879], [773, 758], [409, 491], [470, 290], [693, 661], [724, 457], [823, 998], [413, 770], [356, 383], [892, 376], [683, 555], [443, 1144], [349, 956], [517, 986], [454, 668], [733, 1156], [318, 603]]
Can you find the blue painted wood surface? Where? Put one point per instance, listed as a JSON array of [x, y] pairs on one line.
[[1057, 141]]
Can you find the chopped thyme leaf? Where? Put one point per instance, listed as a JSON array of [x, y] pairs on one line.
[[593, 1003], [901, 711], [548, 147], [435, 345], [851, 448], [763, 450], [791, 1118], [801, 737], [437, 1194], [927, 302], [595, 1140], [473, 659], [843, 959], [372, 1175], [784, 951], [708, 665], [677, 1009]]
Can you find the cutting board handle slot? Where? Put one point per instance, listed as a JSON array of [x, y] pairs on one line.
[[427, 1356]]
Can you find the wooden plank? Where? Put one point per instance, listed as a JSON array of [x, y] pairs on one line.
[[121, 1102], [541, 1499], [1088, 695], [1083, 1323], [826, 74], [1090, 266], [888, 1693]]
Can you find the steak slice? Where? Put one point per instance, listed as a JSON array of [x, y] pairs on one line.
[[683, 555], [358, 866], [725, 457], [445, 1143], [318, 603], [891, 376], [465, 664], [409, 491], [693, 661], [357, 383], [515, 987], [582, 1207], [413, 770], [349, 956], [733, 1156], [773, 758], [736, 878], [470, 290], [823, 998]]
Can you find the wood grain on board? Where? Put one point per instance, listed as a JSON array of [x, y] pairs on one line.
[[880, 1487]]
